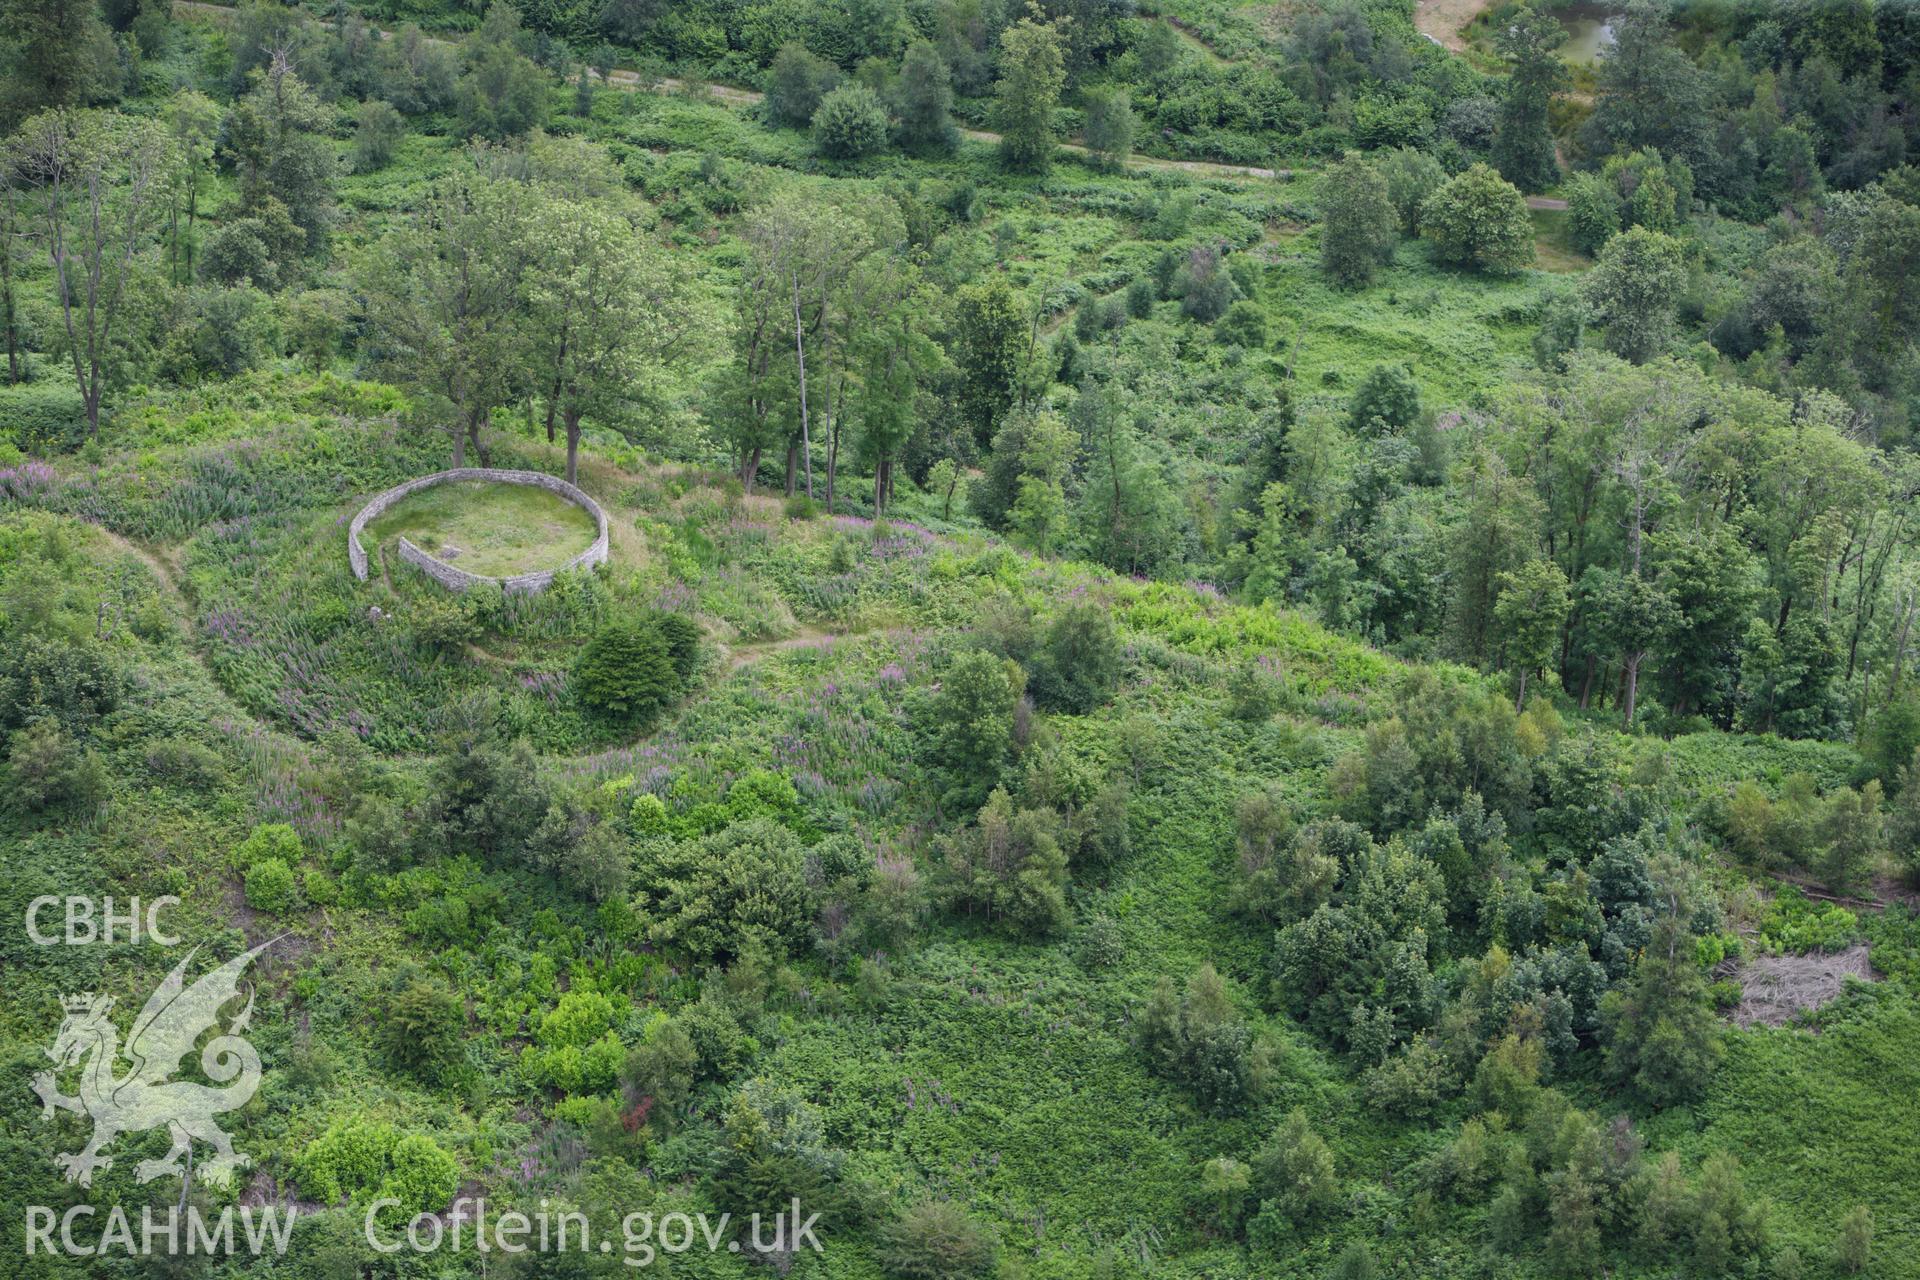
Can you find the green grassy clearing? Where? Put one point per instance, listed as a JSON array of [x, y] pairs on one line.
[[1553, 243]]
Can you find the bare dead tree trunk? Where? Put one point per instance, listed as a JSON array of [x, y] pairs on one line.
[[573, 448], [1908, 602], [6, 304], [9, 214], [476, 421], [800, 354], [1033, 343], [193, 208], [833, 446], [1871, 575], [836, 386]]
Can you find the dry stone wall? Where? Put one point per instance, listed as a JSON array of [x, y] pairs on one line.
[[457, 579]]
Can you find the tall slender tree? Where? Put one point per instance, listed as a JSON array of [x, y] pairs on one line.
[[1530, 609], [1357, 224], [1523, 147], [814, 260], [1661, 1035], [194, 121], [12, 219], [277, 137], [896, 352], [1109, 127], [987, 344], [103, 192], [1495, 536], [1032, 73], [926, 101], [1651, 93]]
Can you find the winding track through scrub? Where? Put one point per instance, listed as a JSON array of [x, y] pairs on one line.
[[180, 609], [806, 637]]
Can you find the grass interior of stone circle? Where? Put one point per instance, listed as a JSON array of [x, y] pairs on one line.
[[496, 530]]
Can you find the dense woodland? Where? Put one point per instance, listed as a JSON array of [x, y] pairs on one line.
[[1239, 640]]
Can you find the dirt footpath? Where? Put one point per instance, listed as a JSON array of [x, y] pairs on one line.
[[1442, 20]]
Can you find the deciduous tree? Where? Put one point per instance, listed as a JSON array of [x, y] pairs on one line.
[[1040, 503], [1032, 73], [1853, 836], [503, 93], [1631, 617], [796, 83], [1357, 231], [1479, 220], [1662, 1037], [194, 121], [850, 122], [1651, 94], [1411, 177], [60, 49], [609, 313], [1295, 1171], [276, 137], [1109, 127], [988, 343], [926, 101], [444, 298], [1634, 290], [968, 724], [1523, 149], [103, 191], [1530, 610]]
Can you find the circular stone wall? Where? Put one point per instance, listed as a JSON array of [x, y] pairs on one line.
[[459, 579]]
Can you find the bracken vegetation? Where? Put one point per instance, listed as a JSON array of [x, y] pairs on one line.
[[1236, 643]]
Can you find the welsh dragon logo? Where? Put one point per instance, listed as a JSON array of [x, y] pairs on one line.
[[173, 1020]]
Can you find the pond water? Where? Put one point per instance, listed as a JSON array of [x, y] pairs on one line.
[[1589, 32]]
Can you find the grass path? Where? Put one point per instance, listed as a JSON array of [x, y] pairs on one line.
[[1195, 41], [806, 637], [181, 611], [161, 570]]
